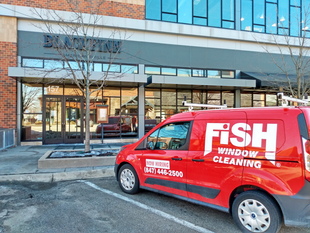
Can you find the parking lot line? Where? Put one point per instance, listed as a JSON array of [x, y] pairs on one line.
[[155, 211]]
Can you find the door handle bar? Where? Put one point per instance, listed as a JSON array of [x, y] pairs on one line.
[[198, 160], [177, 159]]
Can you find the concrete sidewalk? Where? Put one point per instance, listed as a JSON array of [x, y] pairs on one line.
[[21, 164]]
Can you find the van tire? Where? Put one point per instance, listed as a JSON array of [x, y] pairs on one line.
[[257, 203], [128, 179]]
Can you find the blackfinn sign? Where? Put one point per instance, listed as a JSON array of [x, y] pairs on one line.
[[98, 45]]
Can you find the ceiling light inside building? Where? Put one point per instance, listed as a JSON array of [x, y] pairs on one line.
[[274, 25], [241, 19], [262, 16], [282, 19]]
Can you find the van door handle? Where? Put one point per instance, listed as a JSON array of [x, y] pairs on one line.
[[198, 160], [176, 159]]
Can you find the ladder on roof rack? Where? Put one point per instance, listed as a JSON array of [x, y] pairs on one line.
[[285, 99], [191, 105]]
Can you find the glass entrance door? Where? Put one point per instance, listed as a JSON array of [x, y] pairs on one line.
[[62, 119]]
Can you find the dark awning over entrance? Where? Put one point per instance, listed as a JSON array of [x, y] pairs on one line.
[[269, 80]]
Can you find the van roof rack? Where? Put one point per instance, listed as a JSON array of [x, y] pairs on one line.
[[191, 105], [285, 99]]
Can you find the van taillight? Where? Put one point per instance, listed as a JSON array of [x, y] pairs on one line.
[[306, 149]]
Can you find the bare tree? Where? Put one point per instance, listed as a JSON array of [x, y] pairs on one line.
[[30, 97], [78, 40], [293, 47]]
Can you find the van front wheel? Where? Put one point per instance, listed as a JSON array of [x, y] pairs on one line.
[[128, 179], [254, 211]]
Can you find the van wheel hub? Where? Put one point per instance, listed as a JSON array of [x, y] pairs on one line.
[[254, 215]]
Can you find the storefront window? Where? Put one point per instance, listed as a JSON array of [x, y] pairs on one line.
[[271, 100], [181, 94], [169, 103], [32, 127], [129, 111], [229, 97], [95, 99], [214, 97], [32, 98], [258, 100], [246, 100], [152, 108]]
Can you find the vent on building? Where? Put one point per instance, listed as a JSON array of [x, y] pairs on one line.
[[7, 138]]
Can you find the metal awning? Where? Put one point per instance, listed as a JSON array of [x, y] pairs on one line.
[[45, 76], [157, 81], [269, 79]]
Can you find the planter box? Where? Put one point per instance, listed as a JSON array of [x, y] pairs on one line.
[[49, 163]]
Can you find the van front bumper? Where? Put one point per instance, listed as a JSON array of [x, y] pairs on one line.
[[296, 209]]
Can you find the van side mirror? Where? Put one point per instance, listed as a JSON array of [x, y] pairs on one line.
[[150, 145]]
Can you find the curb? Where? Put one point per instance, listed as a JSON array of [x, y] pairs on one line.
[[61, 176]]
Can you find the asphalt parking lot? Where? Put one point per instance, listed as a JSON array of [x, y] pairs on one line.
[[98, 205]]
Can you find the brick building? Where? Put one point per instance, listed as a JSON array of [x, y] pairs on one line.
[[207, 50]]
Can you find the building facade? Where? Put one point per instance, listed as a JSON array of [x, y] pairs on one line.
[[211, 51]]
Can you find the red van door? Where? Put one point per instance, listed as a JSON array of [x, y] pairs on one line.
[[164, 163], [216, 152]]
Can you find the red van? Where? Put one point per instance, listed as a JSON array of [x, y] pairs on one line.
[[251, 162]]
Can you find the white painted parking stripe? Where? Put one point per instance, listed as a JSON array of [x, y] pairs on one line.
[[155, 211]]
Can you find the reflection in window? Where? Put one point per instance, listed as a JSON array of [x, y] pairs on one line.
[[53, 64], [32, 98], [228, 74], [214, 74], [98, 67], [152, 70], [214, 97], [294, 21], [152, 9], [185, 11], [129, 69], [271, 100], [169, 6], [258, 100], [184, 72], [199, 12], [271, 20], [214, 10], [229, 97], [228, 10], [200, 8], [171, 136], [32, 127], [246, 15], [246, 100], [168, 71], [169, 17], [73, 65], [34, 63], [113, 68], [259, 12], [198, 73]]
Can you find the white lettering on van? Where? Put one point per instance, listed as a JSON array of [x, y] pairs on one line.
[[237, 162], [242, 137]]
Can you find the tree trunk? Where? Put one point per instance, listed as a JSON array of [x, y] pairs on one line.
[[87, 115]]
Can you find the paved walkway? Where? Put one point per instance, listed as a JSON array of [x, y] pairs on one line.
[[21, 164]]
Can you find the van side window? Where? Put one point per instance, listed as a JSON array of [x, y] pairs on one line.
[[170, 137]]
